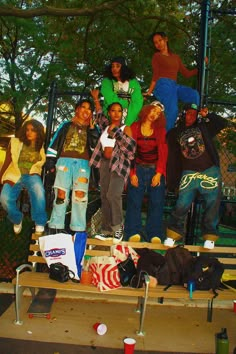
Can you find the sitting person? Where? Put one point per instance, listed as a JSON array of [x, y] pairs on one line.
[[120, 85], [22, 168], [166, 65], [147, 175], [113, 155]]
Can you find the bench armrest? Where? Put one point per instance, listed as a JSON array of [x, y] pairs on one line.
[[23, 266], [19, 269], [147, 279]]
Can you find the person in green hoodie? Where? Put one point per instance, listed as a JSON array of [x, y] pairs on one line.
[[120, 85]]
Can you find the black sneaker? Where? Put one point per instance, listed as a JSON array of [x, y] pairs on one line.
[[103, 237], [118, 235]]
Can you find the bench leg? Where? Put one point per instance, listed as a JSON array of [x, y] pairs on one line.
[[139, 305], [142, 306], [18, 291], [210, 310]]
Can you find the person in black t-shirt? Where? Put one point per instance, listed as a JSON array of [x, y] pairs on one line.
[[193, 168]]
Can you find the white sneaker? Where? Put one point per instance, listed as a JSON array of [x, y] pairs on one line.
[[103, 237], [17, 228], [169, 242], [39, 229], [209, 244]]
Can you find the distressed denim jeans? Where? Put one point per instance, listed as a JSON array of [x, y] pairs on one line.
[[71, 175]]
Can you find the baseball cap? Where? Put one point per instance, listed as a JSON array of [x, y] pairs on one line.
[[191, 106]]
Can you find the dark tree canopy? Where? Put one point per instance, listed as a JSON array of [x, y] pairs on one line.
[[71, 41]]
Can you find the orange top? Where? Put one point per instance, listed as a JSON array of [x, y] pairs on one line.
[[164, 66]]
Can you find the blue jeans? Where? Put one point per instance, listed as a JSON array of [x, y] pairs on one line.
[[207, 185], [168, 92], [35, 188], [72, 174], [156, 198]]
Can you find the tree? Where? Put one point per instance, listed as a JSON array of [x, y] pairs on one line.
[[70, 43]]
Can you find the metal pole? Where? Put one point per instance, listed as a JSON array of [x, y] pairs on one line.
[[51, 107], [205, 8]]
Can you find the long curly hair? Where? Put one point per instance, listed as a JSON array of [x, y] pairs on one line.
[[159, 123], [126, 73], [39, 128]]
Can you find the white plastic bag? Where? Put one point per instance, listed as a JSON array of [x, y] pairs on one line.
[[59, 248]]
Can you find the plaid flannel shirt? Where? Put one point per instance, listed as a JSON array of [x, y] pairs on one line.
[[122, 155]]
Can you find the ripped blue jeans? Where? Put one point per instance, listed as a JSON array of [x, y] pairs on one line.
[[71, 175]]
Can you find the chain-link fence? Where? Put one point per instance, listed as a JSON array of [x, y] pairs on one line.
[[14, 248]]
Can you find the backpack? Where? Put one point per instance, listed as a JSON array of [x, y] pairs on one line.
[[206, 273], [179, 261], [149, 262]]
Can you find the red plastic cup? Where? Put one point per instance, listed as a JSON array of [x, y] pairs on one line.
[[100, 328], [86, 277], [129, 344], [234, 303]]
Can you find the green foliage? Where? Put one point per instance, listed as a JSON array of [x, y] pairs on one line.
[[73, 50]]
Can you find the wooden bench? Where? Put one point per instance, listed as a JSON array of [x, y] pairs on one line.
[[33, 280], [28, 277]]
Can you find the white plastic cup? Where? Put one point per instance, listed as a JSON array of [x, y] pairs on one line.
[[100, 328]]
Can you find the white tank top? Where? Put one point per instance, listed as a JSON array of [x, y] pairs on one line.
[[108, 142]]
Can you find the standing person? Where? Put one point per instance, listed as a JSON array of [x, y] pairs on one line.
[[69, 151], [120, 85], [193, 169], [166, 66], [22, 168], [113, 155], [147, 175]]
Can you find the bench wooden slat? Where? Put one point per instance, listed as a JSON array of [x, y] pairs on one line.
[[179, 292], [227, 261], [94, 253], [36, 259], [161, 247], [42, 280]]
